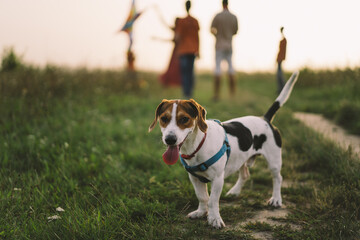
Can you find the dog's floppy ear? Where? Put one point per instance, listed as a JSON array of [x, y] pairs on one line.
[[201, 115], [157, 114]]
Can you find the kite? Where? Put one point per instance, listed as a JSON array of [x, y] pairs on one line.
[[133, 15]]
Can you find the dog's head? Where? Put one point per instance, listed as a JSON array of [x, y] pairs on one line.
[[177, 119]]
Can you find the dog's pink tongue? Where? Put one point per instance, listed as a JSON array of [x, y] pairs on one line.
[[171, 155]]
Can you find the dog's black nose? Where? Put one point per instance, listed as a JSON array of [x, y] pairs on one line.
[[170, 139]]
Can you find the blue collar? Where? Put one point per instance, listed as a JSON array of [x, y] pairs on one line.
[[205, 165]]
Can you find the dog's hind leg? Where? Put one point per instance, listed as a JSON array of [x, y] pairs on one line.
[[244, 175], [203, 197], [275, 162]]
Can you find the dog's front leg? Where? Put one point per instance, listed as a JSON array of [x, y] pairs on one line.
[[214, 218], [203, 197]]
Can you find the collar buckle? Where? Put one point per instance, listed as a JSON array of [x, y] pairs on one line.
[[203, 167]]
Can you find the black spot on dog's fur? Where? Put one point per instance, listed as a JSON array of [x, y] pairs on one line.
[[242, 133], [277, 136], [271, 112], [259, 141], [276, 133]]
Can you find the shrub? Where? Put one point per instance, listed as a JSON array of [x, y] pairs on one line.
[[10, 61], [321, 78], [349, 115]]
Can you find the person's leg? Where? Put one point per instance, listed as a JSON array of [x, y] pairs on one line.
[[187, 66], [280, 78], [232, 84], [216, 87], [231, 72], [218, 58], [183, 64], [191, 60]]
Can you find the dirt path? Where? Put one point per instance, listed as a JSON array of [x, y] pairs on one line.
[[330, 130]]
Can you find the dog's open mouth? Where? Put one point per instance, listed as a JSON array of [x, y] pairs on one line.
[[171, 155]]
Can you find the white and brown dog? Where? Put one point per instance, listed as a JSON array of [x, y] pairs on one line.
[[185, 130]]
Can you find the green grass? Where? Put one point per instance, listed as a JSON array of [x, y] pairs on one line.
[[77, 139]]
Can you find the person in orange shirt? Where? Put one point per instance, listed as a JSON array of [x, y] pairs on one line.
[[187, 39], [280, 58]]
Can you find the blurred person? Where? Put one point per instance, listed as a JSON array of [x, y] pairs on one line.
[[128, 28], [131, 72], [224, 26], [187, 39], [280, 58], [172, 75], [130, 61]]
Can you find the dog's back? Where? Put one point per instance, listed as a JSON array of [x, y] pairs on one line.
[[250, 136]]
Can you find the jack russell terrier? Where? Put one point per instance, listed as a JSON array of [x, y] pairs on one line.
[[186, 131]]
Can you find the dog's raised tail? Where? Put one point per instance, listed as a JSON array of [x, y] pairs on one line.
[[282, 98]]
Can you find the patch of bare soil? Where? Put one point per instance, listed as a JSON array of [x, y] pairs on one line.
[[330, 131], [273, 217]]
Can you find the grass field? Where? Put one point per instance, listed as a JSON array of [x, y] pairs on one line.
[[78, 140]]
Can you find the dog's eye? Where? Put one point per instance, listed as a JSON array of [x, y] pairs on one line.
[[164, 119], [183, 120]]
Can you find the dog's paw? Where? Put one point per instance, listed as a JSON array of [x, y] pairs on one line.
[[275, 202], [216, 222], [197, 214], [233, 192]]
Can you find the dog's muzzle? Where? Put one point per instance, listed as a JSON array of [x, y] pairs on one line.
[[170, 139]]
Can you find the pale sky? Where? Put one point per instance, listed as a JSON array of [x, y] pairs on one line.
[[82, 33]]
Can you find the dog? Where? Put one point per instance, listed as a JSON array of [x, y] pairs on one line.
[[187, 133]]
